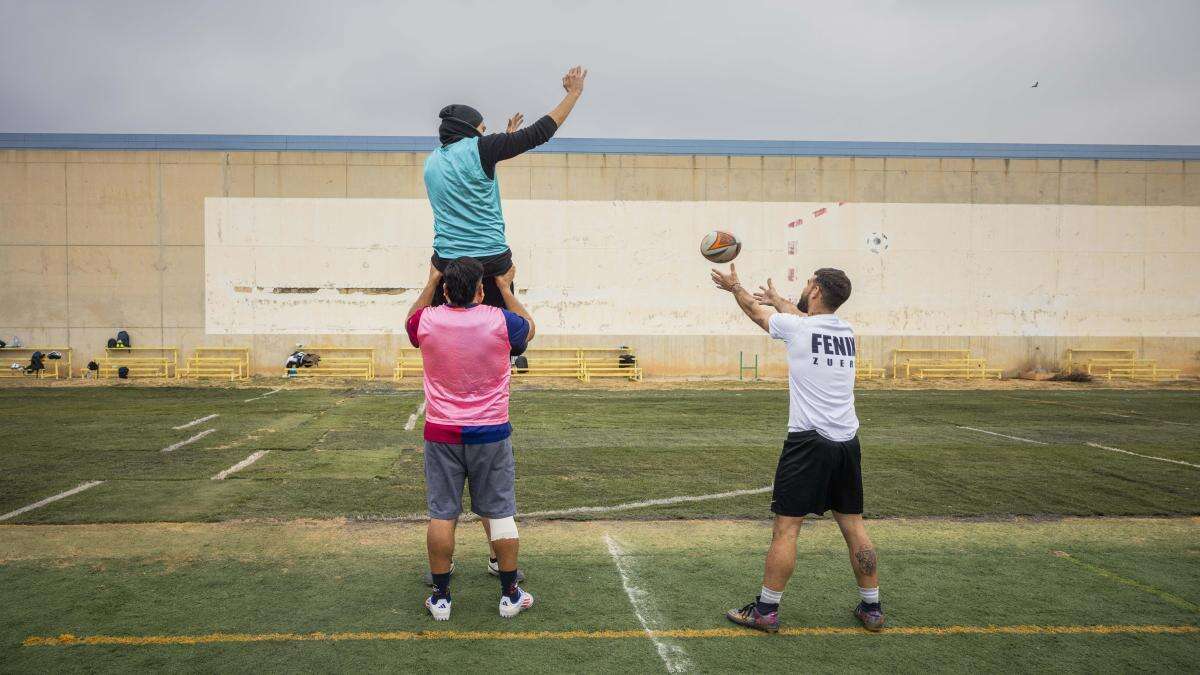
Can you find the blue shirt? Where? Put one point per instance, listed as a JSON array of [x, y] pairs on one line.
[[467, 218]]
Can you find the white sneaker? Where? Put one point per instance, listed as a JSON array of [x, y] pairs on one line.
[[440, 609], [494, 570], [509, 609]]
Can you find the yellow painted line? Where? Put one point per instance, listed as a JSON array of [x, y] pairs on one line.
[[1109, 574], [703, 633]]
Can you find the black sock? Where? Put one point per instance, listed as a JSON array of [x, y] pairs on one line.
[[441, 585], [508, 585], [765, 607]]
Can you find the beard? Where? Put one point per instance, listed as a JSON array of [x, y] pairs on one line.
[[802, 304]]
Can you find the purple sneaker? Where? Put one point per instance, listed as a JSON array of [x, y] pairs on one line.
[[871, 616], [749, 617]]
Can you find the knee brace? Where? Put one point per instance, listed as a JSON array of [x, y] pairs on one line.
[[502, 528]]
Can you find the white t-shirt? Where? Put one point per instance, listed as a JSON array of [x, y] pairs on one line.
[[821, 354]]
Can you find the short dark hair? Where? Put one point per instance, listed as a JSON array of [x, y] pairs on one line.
[[462, 277], [835, 286]]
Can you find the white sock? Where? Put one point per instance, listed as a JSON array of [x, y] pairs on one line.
[[769, 597], [869, 595]]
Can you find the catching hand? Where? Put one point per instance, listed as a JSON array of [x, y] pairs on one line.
[[768, 295], [515, 122], [726, 282], [573, 80]]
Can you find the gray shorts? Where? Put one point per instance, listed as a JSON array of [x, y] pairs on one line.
[[488, 468]]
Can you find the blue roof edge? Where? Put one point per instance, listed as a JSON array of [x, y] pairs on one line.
[[628, 146]]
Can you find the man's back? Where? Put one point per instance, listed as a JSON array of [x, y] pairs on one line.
[[821, 356], [466, 353]]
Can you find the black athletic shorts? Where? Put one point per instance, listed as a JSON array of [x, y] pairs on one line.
[[816, 474], [493, 266]]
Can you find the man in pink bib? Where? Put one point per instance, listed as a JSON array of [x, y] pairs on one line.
[[466, 347]]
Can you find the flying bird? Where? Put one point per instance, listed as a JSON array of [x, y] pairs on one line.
[[1035, 84]]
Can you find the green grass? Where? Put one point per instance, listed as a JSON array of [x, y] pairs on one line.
[[161, 549], [336, 453], [147, 580]]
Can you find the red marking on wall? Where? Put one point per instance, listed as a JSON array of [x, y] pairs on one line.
[[791, 248], [796, 223], [819, 212], [791, 274]]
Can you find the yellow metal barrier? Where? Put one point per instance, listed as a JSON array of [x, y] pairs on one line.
[[141, 361], [864, 369], [229, 363], [903, 356], [409, 362], [55, 368], [340, 362], [1074, 356]]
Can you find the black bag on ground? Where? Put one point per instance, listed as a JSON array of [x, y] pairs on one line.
[[123, 372], [626, 361], [92, 365], [521, 364], [123, 338]]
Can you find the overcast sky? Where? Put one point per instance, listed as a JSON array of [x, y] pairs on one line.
[[939, 70]]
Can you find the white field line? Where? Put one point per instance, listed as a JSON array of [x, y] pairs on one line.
[[196, 421], [193, 439], [1161, 459], [1015, 438], [672, 655], [276, 390], [412, 419], [47, 500], [471, 517], [649, 502], [254, 457], [1134, 416]]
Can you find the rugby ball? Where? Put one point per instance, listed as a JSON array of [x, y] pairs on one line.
[[720, 247]]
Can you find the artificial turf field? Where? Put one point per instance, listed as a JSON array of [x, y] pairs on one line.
[[1032, 550]]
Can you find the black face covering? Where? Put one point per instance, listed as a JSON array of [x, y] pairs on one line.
[[458, 122]]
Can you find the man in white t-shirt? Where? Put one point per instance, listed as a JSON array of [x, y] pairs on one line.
[[820, 468]]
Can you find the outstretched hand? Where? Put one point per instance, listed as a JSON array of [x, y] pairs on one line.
[[573, 81], [767, 295], [726, 282], [515, 122]]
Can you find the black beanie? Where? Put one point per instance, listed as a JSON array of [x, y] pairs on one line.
[[458, 121]]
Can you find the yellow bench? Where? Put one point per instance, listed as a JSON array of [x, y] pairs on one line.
[[1142, 373], [226, 363], [409, 362], [55, 368], [551, 362], [141, 361], [339, 362], [606, 362], [1077, 357], [902, 356], [866, 370]]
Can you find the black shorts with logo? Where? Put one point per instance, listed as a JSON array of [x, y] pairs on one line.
[[816, 474]]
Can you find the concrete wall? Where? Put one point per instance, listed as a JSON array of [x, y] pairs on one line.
[[1017, 259]]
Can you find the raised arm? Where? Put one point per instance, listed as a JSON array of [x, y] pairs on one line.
[[729, 282], [426, 297], [504, 281], [573, 84], [495, 148]]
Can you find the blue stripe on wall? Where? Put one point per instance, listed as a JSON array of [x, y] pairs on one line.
[[627, 146]]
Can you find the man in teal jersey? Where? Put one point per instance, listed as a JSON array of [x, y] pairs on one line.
[[460, 179]]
